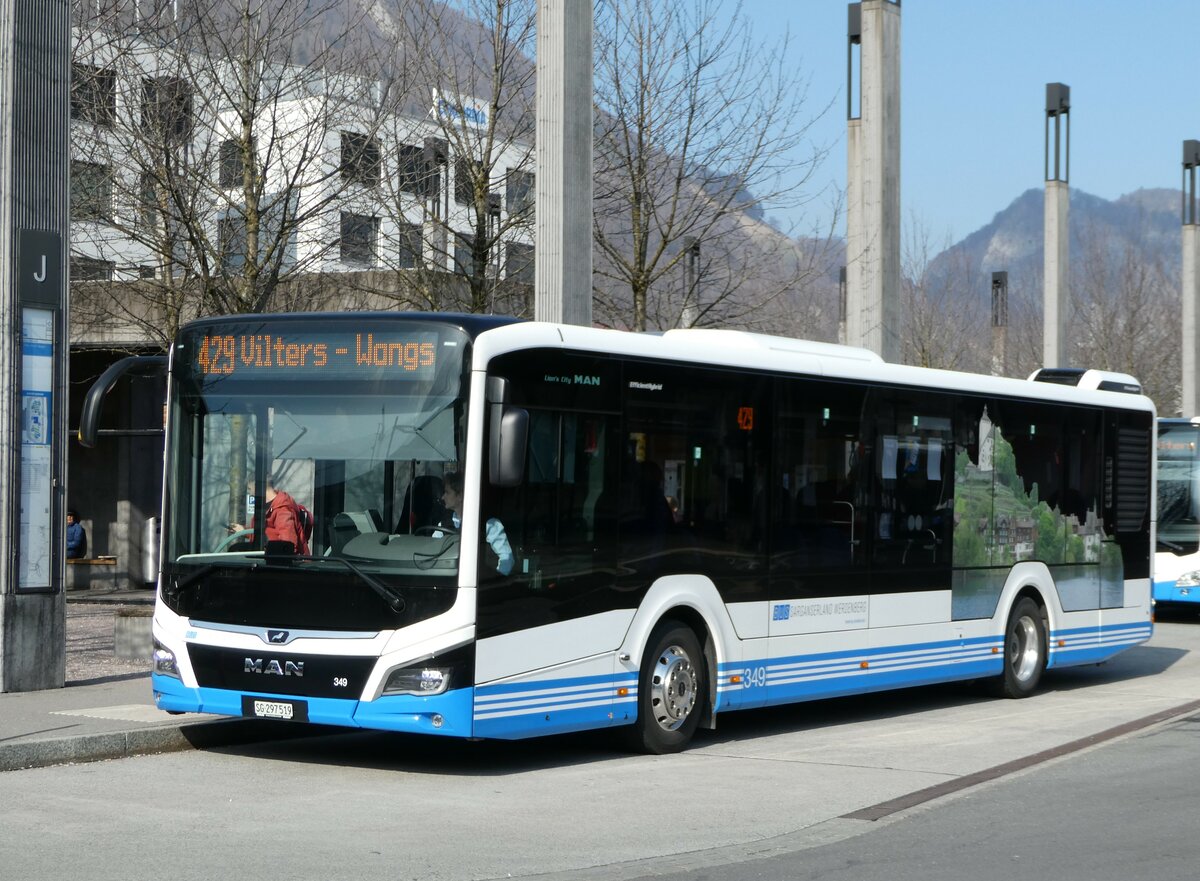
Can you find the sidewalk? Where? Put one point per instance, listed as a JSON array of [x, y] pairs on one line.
[[106, 710]]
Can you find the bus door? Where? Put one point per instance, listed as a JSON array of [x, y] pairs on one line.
[[560, 520], [819, 527]]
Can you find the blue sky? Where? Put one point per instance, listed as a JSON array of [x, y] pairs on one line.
[[973, 76]]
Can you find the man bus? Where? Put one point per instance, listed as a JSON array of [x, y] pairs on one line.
[[841, 525]]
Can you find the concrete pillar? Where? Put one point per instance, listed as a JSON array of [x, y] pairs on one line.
[[873, 185], [34, 207], [999, 323], [1054, 307], [841, 337], [563, 226], [1056, 264], [1189, 402]]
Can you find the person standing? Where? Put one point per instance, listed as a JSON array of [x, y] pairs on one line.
[[283, 521]]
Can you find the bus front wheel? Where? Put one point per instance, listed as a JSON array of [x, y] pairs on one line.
[[672, 688], [1025, 649]]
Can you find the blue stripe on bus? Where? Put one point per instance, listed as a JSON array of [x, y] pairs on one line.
[[831, 674], [1090, 645], [526, 709]]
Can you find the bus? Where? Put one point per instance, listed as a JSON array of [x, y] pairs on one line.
[[1177, 550], [523, 528]]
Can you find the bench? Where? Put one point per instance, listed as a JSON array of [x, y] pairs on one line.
[[92, 573]]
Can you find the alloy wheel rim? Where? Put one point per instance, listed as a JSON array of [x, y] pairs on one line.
[[1024, 648], [673, 688]]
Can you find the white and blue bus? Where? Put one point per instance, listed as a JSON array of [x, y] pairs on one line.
[[1177, 558], [655, 529]]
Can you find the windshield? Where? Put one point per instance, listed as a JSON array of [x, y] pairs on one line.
[[1178, 488], [306, 458]]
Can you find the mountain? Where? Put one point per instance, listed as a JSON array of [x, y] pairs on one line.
[[1146, 221]]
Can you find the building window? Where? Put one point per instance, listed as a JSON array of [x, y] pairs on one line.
[[464, 257], [418, 175], [230, 166], [518, 263], [231, 242], [148, 205], [91, 269], [520, 193], [93, 94], [167, 108], [360, 159], [91, 191], [465, 172], [359, 235], [410, 241]]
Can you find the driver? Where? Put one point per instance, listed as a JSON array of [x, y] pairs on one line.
[[497, 539]]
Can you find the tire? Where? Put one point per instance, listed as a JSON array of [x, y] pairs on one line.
[[672, 691], [1025, 649]]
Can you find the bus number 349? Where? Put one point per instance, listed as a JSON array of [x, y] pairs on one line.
[[754, 677]]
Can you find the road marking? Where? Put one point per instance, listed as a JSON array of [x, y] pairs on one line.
[[126, 713], [912, 799]]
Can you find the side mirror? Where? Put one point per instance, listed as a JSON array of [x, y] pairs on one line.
[[508, 436], [89, 420]]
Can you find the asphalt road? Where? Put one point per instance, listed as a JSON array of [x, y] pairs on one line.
[[769, 794], [1122, 811]]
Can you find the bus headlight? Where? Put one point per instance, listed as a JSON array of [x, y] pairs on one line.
[[424, 681], [164, 660], [1189, 579]]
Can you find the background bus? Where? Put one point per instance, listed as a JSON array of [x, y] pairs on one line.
[[1177, 558], [693, 522]]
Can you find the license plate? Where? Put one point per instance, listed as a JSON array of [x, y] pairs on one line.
[[264, 708]]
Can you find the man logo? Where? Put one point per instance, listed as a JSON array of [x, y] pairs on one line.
[[273, 668], [277, 636]]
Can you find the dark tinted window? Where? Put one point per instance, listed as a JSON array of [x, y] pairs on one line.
[[359, 235], [167, 108], [93, 94], [361, 159], [818, 512], [694, 476], [913, 459]]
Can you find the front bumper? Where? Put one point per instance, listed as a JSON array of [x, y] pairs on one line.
[[447, 714]]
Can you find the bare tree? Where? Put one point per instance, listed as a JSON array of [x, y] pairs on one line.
[[698, 126], [1025, 320], [230, 133], [942, 323], [461, 204], [1124, 307]]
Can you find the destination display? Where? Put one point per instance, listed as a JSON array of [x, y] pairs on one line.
[[390, 353]]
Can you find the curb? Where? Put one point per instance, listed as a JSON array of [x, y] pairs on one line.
[[22, 755]]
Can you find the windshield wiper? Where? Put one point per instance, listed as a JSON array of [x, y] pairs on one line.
[[394, 600], [179, 585]]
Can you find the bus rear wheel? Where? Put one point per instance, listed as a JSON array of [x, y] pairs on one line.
[[672, 689], [1025, 650]]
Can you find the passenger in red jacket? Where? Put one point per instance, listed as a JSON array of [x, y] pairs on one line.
[[283, 518]]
